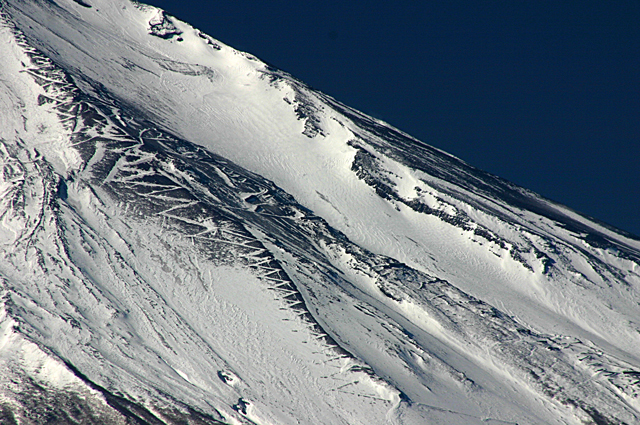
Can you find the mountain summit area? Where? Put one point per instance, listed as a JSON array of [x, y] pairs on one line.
[[191, 236]]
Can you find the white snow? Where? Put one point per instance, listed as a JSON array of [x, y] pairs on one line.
[[153, 314]]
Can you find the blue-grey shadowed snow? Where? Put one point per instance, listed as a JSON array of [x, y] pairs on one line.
[[542, 93], [62, 190], [266, 254]]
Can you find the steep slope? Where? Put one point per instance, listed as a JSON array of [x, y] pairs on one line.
[[191, 235]]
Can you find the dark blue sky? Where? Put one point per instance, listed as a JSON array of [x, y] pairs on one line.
[[543, 93]]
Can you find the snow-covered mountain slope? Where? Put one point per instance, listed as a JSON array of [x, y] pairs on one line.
[[191, 236]]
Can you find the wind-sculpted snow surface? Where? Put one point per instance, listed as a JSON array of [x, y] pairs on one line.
[[191, 236]]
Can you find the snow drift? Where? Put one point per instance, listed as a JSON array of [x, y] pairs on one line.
[[189, 235]]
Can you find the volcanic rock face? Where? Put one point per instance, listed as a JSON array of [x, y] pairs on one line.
[[191, 236]]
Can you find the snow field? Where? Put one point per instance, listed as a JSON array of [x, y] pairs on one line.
[[476, 326]]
